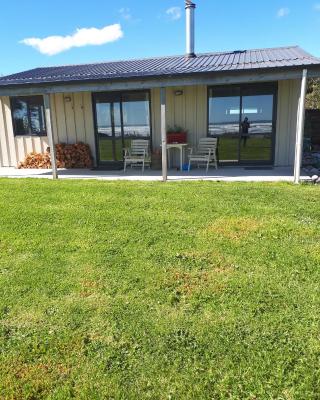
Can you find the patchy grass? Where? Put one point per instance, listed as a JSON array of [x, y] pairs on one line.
[[149, 291], [234, 228]]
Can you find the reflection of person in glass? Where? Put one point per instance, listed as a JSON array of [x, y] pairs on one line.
[[245, 125]]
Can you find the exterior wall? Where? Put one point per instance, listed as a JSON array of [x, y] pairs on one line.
[[288, 99], [188, 111], [72, 121]]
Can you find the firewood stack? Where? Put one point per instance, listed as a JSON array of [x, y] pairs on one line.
[[36, 160], [76, 155]]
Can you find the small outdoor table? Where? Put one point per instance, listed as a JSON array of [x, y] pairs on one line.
[[181, 147]]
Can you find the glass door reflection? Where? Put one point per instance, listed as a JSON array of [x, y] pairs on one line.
[[136, 116], [224, 119], [120, 118], [256, 128], [108, 125], [243, 120]]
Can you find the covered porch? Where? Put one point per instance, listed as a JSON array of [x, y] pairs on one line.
[[70, 111], [225, 174]]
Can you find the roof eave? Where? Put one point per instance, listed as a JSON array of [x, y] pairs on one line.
[[164, 80]]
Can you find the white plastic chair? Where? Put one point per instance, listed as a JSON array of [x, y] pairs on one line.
[[205, 154], [137, 154]]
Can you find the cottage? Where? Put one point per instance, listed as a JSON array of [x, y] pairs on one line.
[[251, 100]]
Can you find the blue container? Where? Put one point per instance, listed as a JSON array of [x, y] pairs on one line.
[[185, 167]]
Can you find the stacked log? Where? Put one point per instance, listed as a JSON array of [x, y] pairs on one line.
[[76, 155], [36, 160]]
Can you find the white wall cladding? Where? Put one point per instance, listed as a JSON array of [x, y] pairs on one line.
[[72, 121], [188, 111], [288, 98]]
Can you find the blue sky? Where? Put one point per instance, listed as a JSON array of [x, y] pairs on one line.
[[134, 29]]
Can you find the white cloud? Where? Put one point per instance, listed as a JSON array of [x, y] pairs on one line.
[[174, 13], [52, 45], [283, 12], [317, 6], [125, 13]]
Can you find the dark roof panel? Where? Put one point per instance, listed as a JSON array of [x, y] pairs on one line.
[[174, 65]]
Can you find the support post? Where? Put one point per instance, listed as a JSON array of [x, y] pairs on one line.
[[163, 134], [46, 98], [300, 127]]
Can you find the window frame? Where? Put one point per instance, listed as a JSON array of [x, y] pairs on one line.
[[247, 89], [29, 100], [117, 96]]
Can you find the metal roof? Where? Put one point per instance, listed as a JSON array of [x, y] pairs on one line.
[[240, 60]]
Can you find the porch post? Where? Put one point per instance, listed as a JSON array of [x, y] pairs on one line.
[[300, 127], [163, 134], [46, 98]]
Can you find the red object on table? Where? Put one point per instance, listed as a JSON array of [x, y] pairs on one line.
[[176, 137]]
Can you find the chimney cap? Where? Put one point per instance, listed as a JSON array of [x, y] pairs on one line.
[[189, 4]]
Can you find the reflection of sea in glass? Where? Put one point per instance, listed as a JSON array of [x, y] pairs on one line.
[[120, 121], [228, 108], [103, 113], [136, 118], [224, 115], [223, 129], [259, 110]]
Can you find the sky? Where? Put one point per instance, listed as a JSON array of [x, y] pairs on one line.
[[38, 33]]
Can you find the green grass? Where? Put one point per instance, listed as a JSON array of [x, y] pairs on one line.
[[118, 290]]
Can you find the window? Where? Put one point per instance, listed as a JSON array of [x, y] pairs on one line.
[[28, 116], [119, 118], [243, 120], [136, 118]]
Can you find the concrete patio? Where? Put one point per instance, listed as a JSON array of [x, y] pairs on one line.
[[230, 174]]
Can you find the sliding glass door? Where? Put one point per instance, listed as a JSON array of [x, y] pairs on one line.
[[224, 120], [119, 118], [243, 120], [108, 127]]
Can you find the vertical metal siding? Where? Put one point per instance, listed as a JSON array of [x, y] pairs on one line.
[[12, 148], [71, 122], [79, 117], [61, 118], [288, 97], [70, 118], [89, 123], [155, 118], [188, 111], [4, 148]]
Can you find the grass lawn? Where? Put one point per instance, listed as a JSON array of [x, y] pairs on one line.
[[198, 290]]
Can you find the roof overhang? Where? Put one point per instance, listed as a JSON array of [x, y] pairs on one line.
[[213, 78]]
